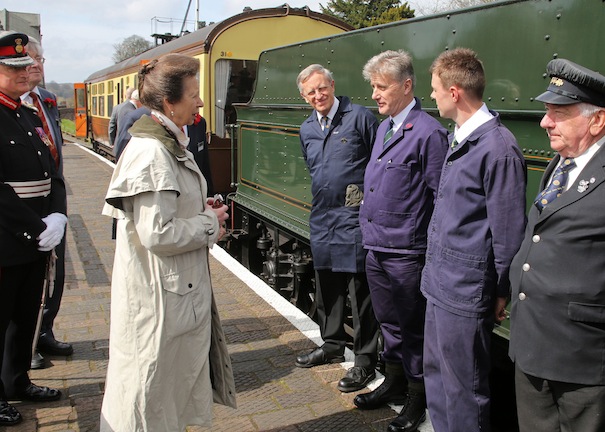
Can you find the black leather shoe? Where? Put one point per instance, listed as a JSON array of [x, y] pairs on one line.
[[8, 414], [316, 358], [38, 361], [392, 390], [47, 344], [355, 379], [36, 393], [411, 415]]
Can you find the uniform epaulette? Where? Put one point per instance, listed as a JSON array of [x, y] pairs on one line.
[[30, 106]]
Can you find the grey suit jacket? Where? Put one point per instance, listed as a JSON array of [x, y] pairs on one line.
[[558, 283]]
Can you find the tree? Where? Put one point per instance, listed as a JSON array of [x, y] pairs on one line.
[[447, 5], [130, 47], [365, 13]]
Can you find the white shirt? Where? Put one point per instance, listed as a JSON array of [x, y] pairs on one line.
[[581, 162], [481, 116], [400, 118], [331, 114]]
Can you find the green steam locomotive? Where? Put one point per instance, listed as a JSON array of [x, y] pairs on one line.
[[515, 40]]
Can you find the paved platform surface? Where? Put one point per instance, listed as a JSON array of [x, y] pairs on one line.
[[272, 394]]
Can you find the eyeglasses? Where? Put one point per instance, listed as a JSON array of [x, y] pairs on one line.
[[39, 59], [321, 90]]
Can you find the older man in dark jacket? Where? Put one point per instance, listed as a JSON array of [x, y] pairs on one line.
[[557, 336], [336, 142]]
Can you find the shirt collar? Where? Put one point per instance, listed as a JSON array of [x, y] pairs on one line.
[[9, 102], [169, 124], [481, 116], [332, 112], [27, 97], [582, 160], [400, 118]]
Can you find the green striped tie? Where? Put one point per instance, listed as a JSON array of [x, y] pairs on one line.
[[389, 133]]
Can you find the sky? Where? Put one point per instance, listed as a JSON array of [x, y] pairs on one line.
[[78, 36]]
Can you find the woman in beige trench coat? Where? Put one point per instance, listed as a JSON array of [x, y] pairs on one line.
[[166, 339]]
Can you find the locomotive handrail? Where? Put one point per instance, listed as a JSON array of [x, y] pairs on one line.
[[232, 130]]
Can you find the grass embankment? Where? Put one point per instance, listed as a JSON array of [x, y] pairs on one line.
[[68, 126]]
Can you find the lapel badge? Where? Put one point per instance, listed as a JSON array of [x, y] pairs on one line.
[[343, 140], [583, 185]]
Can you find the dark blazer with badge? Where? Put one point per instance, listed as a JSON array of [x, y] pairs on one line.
[[336, 160], [198, 145], [558, 283], [25, 161]]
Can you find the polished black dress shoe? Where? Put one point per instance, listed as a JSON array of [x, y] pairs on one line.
[[8, 414], [47, 344], [356, 378], [38, 361], [392, 390], [316, 358], [36, 393], [412, 415]]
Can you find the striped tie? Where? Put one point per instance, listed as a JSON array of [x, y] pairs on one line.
[[454, 144], [389, 134], [325, 124], [557, 185]]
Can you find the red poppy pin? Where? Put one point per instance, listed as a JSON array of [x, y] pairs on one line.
[[197, 119], [50, 102]]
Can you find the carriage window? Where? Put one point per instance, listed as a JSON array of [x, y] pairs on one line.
[[109, 104], [234, 84], [94, 105], [101, 106]]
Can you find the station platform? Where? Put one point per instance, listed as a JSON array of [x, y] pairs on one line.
[[264, 331]]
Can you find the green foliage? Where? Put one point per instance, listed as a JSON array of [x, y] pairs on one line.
[[366, 13]]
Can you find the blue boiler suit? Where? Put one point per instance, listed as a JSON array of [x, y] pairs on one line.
[[476, 229], [336, 161], [401, 184]]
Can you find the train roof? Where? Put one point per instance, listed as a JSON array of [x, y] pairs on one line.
[[204, 37]]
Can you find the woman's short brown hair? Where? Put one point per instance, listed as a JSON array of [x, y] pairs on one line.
[[163, 78]]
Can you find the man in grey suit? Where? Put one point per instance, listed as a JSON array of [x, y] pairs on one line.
[[47, 343], [558, 275], [112, 129]]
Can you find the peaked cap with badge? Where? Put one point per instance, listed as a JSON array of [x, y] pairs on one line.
[[571, 83], [12, 50]]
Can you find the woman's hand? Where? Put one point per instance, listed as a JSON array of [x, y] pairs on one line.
[[220, 210]]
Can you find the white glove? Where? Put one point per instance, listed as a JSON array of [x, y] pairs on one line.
[[52, 235]]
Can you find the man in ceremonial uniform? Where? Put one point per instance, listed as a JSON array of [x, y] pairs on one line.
[[32, 224]]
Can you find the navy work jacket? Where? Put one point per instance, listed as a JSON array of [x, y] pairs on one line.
[[478, 222], [336, 160], [401, 183]]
